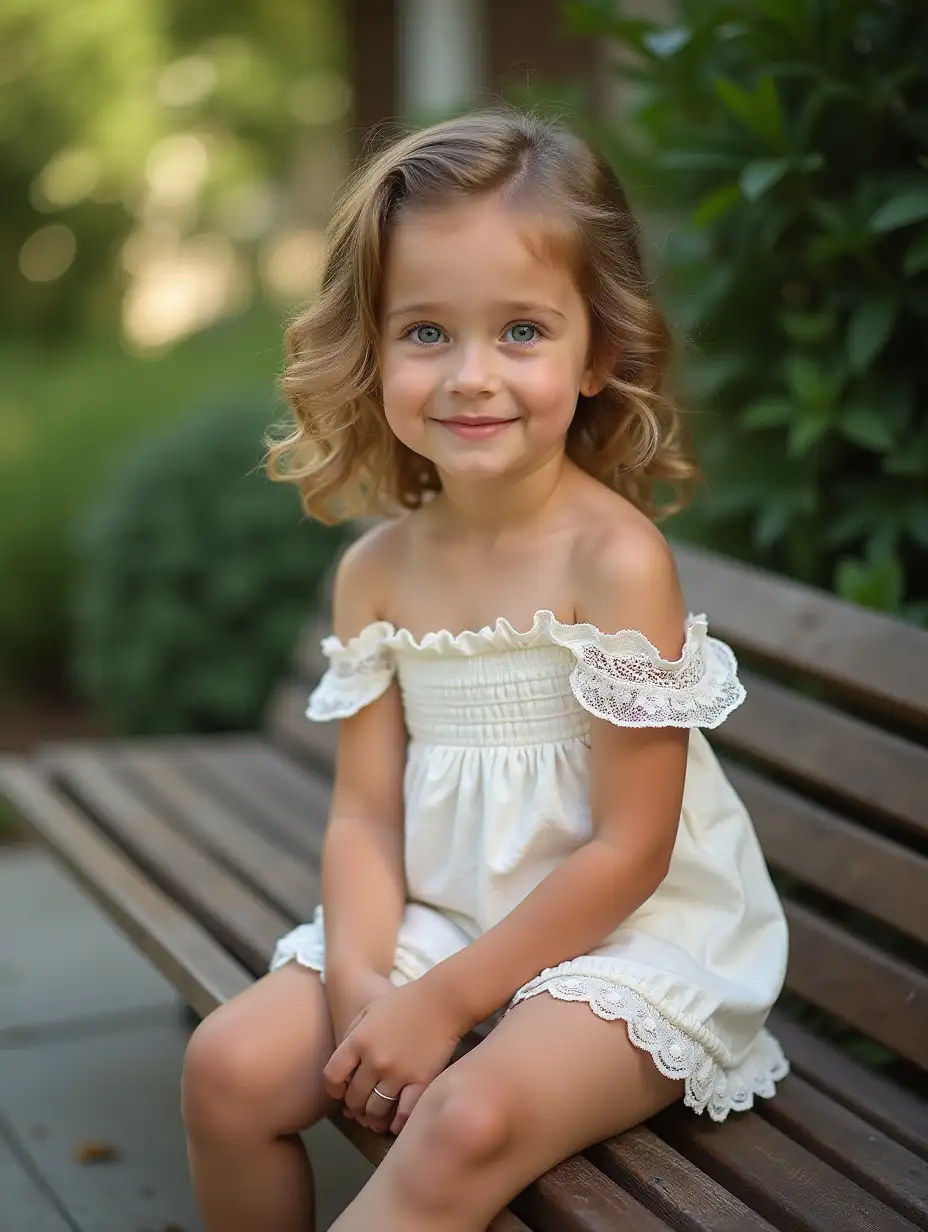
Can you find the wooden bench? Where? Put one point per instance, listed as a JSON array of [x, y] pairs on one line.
[[205, 850]]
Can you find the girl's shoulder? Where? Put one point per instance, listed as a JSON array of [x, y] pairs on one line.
[[368, 570], [624, 575]]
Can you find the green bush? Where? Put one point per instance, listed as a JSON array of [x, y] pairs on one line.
[[196, 573], [785, 144], [64, 414]]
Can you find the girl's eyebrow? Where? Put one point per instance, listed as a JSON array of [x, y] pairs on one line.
[[515, 307]]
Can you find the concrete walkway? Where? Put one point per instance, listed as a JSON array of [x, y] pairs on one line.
[[91, 1047]]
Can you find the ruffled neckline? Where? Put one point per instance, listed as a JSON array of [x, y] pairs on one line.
[[546, 630]]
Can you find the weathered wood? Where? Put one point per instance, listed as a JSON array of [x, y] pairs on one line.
[[575, 1195], [180, 947], [897, 1112], [776, 1176], [242, 921], [879, 994], [672, 1187], [873, 658], [878, 876], [823, 748], [222, 831], [848, 1143], [285, 798]]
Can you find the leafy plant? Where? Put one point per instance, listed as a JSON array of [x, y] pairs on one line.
[[784, 145], [64, 416], [196, 575]]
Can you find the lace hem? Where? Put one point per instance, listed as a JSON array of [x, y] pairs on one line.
[[707, 1086]]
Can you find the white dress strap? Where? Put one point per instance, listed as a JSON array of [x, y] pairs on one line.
[[358, 672], [622, 677]]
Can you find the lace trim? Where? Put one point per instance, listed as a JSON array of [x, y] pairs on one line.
[[635, 687], [707, 1086], [357, 675], [620, 677]]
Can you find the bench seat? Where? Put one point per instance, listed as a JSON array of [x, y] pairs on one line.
[[205, 850]]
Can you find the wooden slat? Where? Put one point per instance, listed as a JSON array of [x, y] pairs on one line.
[[851, 760], [863, 653], [897, 1112], [848, 1143], [882, 996], [575, 1195], [284, 796], [224, 831], [844, 860], [242, 921], [672, 1187], [182, 950], [775, 1176]]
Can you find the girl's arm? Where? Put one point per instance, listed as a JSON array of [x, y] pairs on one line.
[[636, 793], [363, 880]]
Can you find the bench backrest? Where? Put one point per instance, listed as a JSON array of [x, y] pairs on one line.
[[829, 754]]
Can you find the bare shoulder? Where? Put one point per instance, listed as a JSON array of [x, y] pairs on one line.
[[364, 573], [625, 576]]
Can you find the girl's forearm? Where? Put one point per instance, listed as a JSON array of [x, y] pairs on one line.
[[571, 912], [363, 895]]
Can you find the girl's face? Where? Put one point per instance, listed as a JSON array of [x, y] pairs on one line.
[[484, 345]]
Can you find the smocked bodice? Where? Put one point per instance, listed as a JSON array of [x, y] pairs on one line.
[[513, 697]]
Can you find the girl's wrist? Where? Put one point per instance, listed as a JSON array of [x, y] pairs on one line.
[[455, 995]]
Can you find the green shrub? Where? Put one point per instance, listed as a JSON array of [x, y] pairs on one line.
[[64, 414], [786, 142], [196, 573]]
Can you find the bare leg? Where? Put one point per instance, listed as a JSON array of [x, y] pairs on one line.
[[551, 1079], [252, 1080]]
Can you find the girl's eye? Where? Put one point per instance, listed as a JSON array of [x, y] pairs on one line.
[[522, 331], [426, 335]]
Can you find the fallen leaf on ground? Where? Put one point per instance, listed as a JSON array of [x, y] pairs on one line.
[[95, 1152]]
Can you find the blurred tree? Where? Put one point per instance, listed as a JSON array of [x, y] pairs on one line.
[[784, 143], [89, 96]]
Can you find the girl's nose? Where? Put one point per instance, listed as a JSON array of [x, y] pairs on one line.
[[472, 373]]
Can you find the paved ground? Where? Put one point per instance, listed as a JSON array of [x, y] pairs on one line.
[[91, 1044]]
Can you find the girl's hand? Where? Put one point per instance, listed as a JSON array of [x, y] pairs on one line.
[[398, 1044], [350, 995]]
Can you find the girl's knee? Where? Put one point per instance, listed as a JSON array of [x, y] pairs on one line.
[[220, 1084], [465, 1126]]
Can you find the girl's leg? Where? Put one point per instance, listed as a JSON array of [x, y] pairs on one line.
[[252, 1080], [551, 1079]]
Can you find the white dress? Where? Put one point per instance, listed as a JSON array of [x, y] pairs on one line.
[[496, 796]]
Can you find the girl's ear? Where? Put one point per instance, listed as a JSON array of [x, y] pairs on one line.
[[592, 382]]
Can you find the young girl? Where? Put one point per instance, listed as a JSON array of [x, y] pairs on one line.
[[525, 813]]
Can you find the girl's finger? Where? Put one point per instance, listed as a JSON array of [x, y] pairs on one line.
[[380, 1110], [363, 1081], [408, 1099], [341, 1065]]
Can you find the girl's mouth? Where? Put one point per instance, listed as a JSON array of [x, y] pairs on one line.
[[475, 429]]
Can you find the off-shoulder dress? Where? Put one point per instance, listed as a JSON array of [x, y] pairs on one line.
[[496, 796]]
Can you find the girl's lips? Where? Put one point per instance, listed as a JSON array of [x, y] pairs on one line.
[[475, 429]]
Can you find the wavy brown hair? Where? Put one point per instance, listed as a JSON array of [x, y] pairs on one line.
[[342, 453]]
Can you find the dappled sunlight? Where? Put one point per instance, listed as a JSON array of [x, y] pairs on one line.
[[180, 291]]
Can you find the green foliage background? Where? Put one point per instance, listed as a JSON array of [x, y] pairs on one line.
[[782, 146], [83, 79], [196, 575], [62, 425]]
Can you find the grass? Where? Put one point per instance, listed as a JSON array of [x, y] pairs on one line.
[[65, 416]]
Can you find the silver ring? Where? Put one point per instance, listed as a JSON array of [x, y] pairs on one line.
[[391, 1099]]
